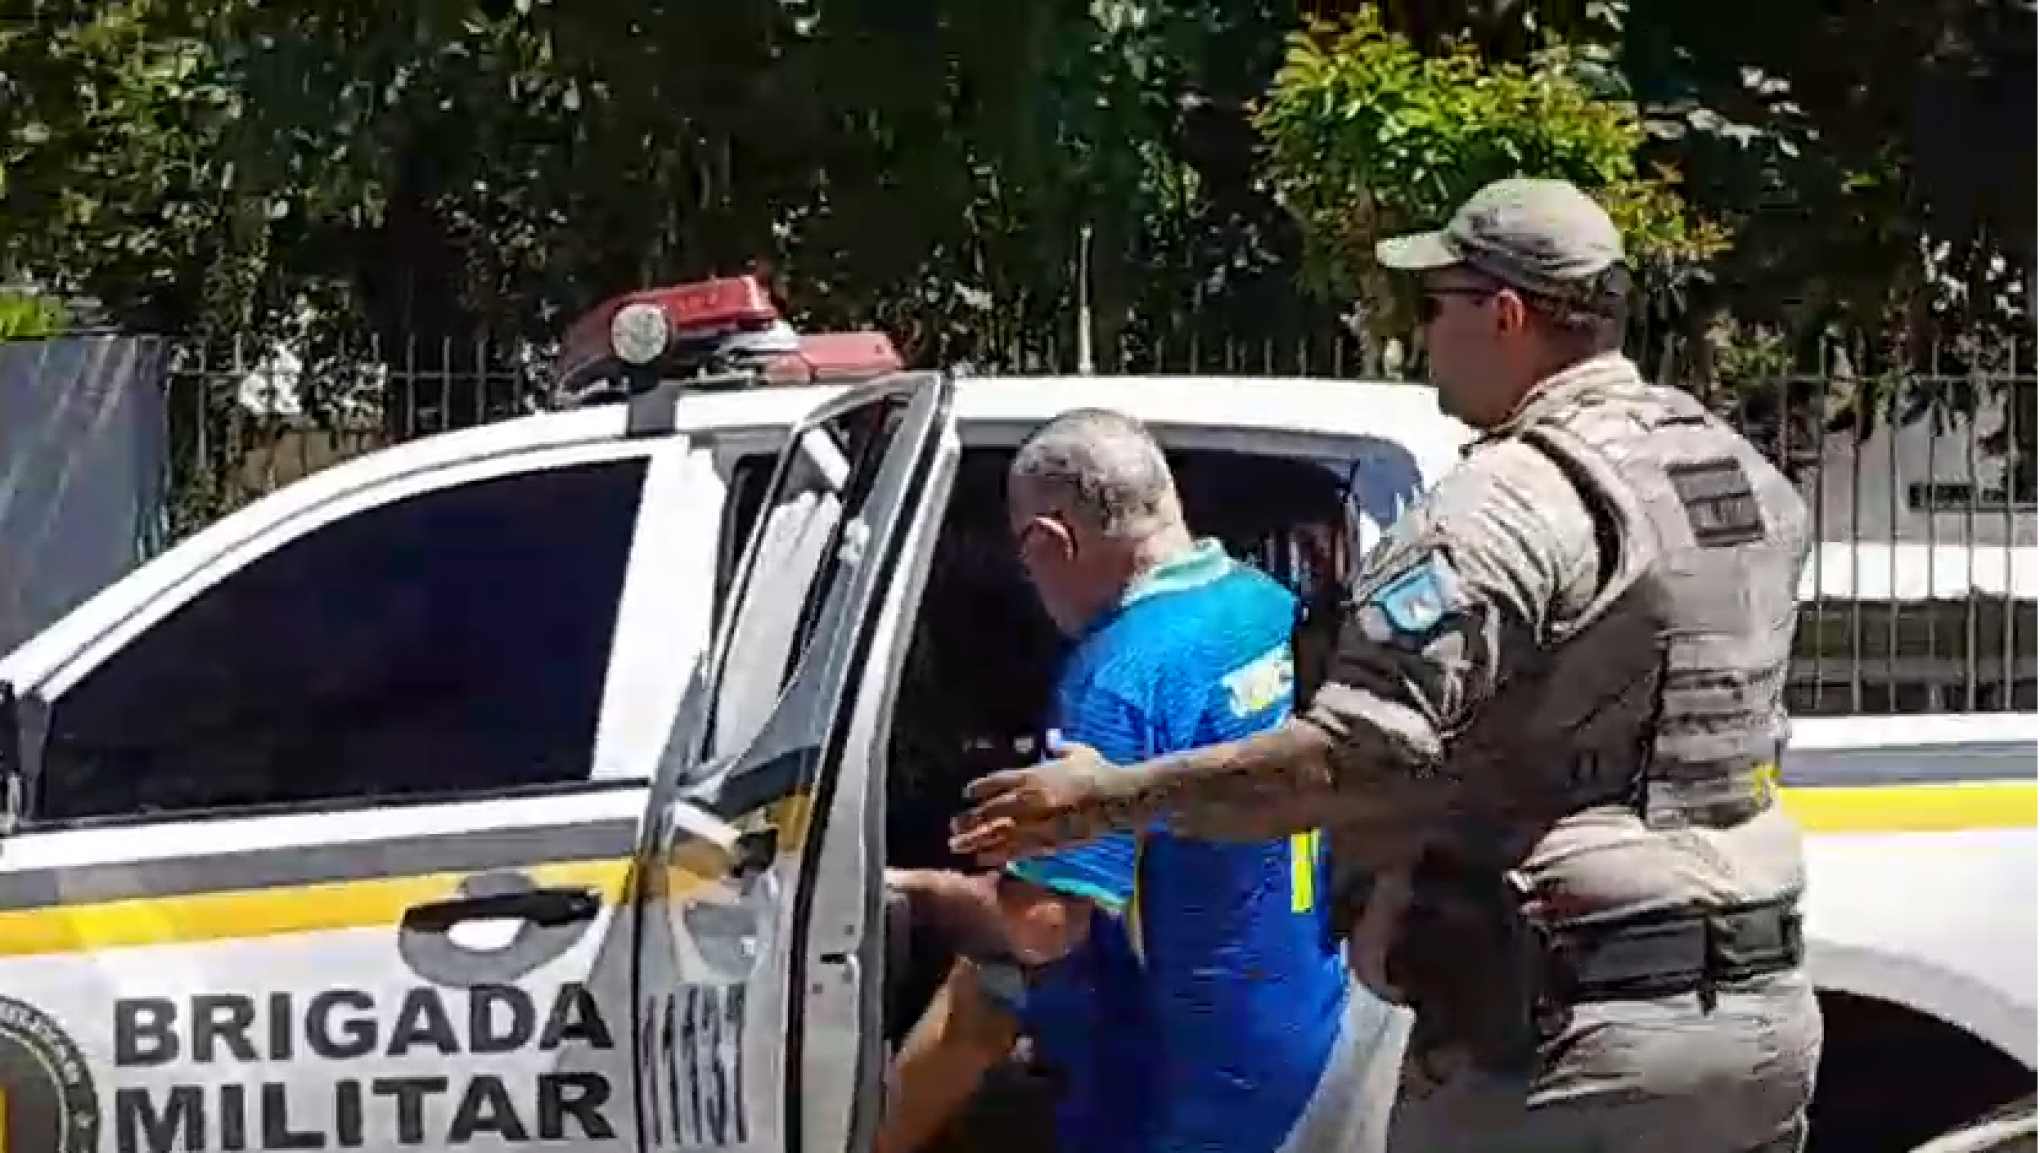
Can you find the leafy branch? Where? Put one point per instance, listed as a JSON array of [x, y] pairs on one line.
[[1367, 136]]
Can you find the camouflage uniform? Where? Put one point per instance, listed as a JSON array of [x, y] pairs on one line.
[[1574, 650]]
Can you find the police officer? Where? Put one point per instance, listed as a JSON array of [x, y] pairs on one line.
[[1546, 743]]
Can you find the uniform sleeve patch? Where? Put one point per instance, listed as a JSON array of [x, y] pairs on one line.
[[1721, 507], [1416, 602]]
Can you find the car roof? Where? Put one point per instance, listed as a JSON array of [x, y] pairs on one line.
[[1299, 404]]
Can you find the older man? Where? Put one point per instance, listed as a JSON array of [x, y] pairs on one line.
[[1251, 1036], [1549, 737]]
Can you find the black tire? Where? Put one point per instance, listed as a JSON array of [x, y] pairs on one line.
[[2010, 1129]]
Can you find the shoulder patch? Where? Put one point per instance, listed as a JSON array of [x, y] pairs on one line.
[[1414, 603]]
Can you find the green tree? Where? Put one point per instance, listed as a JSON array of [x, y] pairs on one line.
[[421, 172], [105, 134], [24, 316], [418, 172], [1368, 136]]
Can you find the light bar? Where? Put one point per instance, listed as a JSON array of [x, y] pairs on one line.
[[725, 325]]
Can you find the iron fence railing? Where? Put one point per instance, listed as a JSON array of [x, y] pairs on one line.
[[1920, 598]]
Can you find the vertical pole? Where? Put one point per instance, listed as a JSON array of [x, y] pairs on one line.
[[1086, 363]]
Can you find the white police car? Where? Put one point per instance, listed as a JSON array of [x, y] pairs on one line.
[[528, 786]]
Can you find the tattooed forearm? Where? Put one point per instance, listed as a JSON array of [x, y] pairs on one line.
[[1274, 782], [1266, 820]]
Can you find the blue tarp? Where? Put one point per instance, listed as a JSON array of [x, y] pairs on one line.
[[83, 438]]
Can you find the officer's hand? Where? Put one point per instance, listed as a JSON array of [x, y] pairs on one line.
[[1025, 812]]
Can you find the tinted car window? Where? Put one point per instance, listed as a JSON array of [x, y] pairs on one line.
[[446, 643]]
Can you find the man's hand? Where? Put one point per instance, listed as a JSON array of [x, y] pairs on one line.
[[1025, 812]]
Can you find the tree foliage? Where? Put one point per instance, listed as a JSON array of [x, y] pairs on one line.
[[25, 316], [1367, 136], [1822, 250], [429, 170], [417, 173]]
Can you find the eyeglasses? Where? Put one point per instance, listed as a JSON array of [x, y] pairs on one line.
[[1432, 302]]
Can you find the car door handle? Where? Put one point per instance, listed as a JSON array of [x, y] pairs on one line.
[[545, 908], [754, 852]]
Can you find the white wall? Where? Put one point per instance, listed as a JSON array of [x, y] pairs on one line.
[[1860, 492]]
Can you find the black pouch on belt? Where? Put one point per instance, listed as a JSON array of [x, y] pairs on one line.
[[1477, 972], [1670, 952]]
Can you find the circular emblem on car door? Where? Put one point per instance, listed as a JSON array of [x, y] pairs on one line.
[[48, 1103]]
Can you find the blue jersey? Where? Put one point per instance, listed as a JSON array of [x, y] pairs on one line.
[[1243, 979]]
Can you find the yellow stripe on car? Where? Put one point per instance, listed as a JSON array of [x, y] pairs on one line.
[[380, 903], [269, 912], [370, 903], [1940, 807]]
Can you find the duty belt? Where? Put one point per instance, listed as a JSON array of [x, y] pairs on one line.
[[1680, 951]]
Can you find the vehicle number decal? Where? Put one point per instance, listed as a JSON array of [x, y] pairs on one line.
[[697, 1097]]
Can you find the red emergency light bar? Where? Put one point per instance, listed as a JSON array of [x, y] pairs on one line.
[[724, 327]]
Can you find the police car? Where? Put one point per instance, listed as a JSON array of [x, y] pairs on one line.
[[528, 787]]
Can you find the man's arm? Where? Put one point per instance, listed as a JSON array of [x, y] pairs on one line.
[[1277, 781], [944, 1059], [963, 907], [1287, 779], [1118, 727], [1029, 913]]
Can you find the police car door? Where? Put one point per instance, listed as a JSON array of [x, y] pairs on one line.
[[317, 853], [758, 983]]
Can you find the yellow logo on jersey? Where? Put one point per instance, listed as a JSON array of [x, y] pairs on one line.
[[1261, 684]]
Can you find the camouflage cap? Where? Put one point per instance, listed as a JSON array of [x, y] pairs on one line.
[[1542, 236]]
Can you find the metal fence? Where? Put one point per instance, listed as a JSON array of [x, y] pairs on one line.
[[244, 421], [1920, 598]]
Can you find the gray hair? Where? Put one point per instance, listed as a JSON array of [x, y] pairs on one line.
[[1102, 466]]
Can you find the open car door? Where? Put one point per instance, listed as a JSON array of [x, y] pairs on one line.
[[757, 977]]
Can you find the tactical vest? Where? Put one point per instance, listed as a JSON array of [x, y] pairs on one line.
[[1669, 687]]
